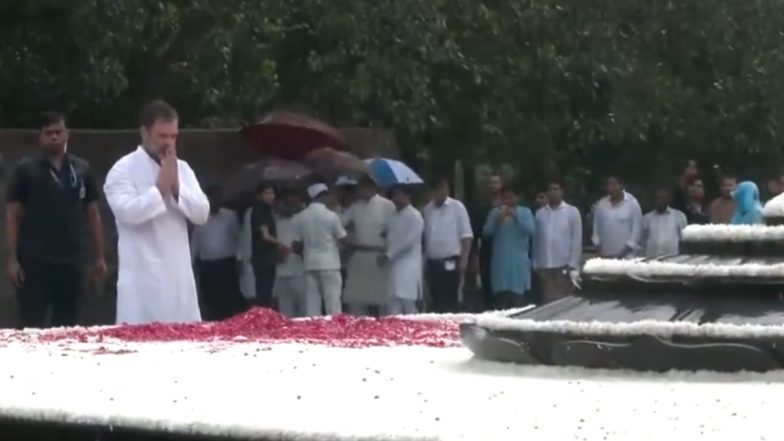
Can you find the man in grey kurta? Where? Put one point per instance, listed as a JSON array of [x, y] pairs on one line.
[[617, 222], [367, 219]]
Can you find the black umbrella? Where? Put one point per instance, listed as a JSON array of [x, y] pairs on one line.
[[240, 189]]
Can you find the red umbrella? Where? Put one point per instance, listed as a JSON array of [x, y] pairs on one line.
[[292, 135], [240, 189]]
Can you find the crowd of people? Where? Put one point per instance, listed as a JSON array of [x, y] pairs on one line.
[[352, 247], [354, 236], [332, 250]]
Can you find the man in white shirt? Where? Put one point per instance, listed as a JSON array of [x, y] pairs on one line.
[[448, 237], [245, 257], [662, 227], [321, 231], [617, 222], [290, 273], [154, 195], [403, 255], [557, 245], [367, 221], [213, 247]]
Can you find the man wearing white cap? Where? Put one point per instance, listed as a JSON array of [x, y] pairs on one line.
[[321, 229]]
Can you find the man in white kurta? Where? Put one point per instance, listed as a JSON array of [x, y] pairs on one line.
[[368, 220], [403, 255], [153, 196]]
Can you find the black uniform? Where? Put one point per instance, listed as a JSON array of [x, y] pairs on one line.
[[264, 255], [53, 237]]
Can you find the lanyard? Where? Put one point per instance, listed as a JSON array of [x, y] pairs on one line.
[[72, 176]]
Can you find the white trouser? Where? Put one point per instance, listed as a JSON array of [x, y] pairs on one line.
[[292, 298], [398, 306], [247, 280], [326, 285]]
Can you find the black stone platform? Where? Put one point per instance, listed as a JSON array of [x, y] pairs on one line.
[[621, 299], [19, 430]]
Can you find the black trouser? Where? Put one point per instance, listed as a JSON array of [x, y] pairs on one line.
[[484, 272], [219, 285], [264, 274], [444, 284], [343, 275], [55, 285]]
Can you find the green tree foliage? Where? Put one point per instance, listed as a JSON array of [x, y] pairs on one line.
[[574, 87]]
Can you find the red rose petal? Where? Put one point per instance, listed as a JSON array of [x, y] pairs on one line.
[[264, 325]]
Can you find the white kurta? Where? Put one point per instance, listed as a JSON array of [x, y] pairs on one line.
[[404, 251], [155, 281], [244, 254]]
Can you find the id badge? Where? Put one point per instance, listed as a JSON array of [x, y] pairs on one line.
[[449, 265]]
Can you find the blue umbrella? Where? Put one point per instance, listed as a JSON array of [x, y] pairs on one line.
[[389, 172]]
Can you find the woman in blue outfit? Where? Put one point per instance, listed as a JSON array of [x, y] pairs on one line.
[[511, 228], [748, 210]]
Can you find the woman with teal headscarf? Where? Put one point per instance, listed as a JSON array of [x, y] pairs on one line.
[[748, 210]]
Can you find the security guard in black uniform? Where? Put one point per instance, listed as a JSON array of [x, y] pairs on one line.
[[51, 208]]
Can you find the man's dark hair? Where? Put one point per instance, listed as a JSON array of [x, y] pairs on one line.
[[693, 180], [663, 188], [264, 186], [405, 189], [508, 189], [366, 181], [49, 118], [551, 182], [438, 181], [291, 193], [157, 110], [617, 178], [495, 174], [776, 176], [729, 176]]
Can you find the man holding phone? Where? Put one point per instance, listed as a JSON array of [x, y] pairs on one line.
[[511, 227]]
